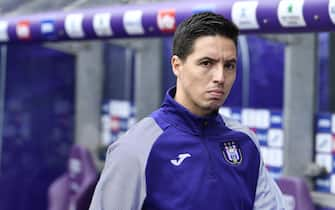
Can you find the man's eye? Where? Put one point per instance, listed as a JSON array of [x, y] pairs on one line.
[[206, 63], [230, 66]]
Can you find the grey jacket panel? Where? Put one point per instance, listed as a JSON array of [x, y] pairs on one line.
[[268, 195], [122, 185]]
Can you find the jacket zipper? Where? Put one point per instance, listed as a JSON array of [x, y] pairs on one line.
[[204, 142]]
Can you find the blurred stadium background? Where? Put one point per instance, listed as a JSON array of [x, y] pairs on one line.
[[62, 98]]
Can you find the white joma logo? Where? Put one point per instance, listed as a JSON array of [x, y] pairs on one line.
[[180, 159]]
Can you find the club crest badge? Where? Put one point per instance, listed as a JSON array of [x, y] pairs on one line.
[[231, 152]]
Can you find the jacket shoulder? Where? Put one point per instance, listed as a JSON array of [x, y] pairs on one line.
[[138, 140], [237, 126]]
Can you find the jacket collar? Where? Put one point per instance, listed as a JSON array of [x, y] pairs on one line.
[[183, 119]]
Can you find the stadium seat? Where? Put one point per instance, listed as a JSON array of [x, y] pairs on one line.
[[74, 189], [296, 193]]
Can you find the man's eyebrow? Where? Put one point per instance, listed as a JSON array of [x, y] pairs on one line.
[[231, 61], [208, 58]]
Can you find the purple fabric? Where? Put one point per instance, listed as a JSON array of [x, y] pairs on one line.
[[211, 170], [76, 186], [38, 124], [266, 73], [266, 16], [313, 8], [267, 10], [297, 188], [323, 69], [323, 208], [59, 194]]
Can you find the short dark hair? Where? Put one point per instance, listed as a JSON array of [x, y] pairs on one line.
[[201, 24]]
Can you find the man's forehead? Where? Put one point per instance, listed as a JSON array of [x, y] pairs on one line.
[[215, 54], [214, 44]]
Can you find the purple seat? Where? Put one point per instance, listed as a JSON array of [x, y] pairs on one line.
[[74, 189], [59, 194], [296, 193]]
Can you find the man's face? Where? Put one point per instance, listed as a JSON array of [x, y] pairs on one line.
[[205, 77]]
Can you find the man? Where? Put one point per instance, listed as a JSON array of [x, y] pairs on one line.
[[185, 156]]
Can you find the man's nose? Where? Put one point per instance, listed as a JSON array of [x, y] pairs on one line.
[[219, 75]]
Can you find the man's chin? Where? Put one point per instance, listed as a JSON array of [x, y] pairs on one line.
[[213, 107], [215, 104]]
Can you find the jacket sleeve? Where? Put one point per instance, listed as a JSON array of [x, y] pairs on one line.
[[268, 195], [122, 182]]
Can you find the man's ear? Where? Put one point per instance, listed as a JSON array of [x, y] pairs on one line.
[[176, 64]]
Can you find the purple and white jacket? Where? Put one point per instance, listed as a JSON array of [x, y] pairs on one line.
[[174, 160]]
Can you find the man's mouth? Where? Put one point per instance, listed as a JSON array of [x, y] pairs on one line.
[[216, 93]]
